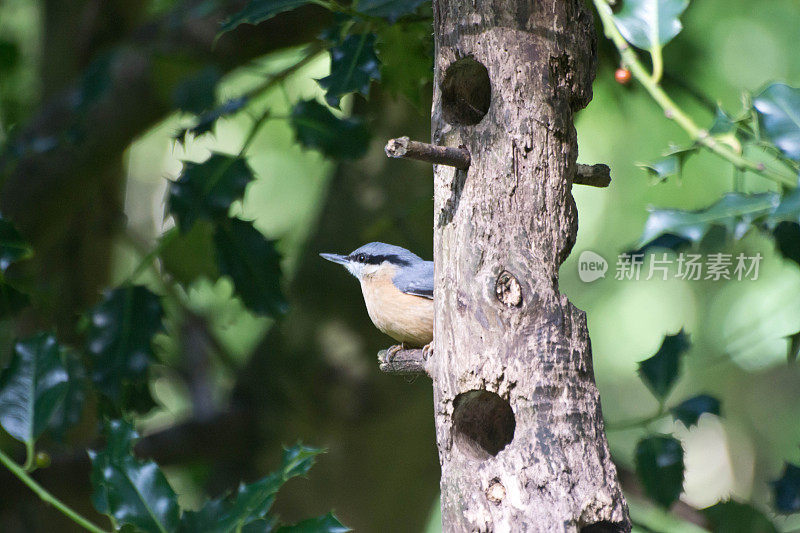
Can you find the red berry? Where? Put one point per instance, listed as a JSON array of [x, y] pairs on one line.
[[622, 75]]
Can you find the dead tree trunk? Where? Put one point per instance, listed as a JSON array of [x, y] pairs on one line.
[[519, 428]]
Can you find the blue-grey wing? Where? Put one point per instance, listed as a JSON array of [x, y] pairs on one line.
[[416, 279]]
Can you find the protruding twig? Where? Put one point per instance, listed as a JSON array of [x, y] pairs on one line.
[[595, 175], [431, 153], [403, 362]]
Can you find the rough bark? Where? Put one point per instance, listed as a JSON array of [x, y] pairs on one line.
[[518, 420]]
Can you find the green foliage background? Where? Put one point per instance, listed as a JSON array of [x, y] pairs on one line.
[[312, 374]]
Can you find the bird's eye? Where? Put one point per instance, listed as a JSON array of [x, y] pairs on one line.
[[361, 258]]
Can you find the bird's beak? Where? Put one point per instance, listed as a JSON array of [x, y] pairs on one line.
[[336, 258]]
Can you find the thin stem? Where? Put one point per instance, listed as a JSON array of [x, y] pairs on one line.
[[658, 62], [253, 131], [30, 457], [45, 496], [671, 109], [313, 51], [151, 256]]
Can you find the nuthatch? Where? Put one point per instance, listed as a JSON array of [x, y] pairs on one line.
[[398, 290]]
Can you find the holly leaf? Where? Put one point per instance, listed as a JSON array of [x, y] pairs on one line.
[[13, 247], [206, 122], [206, 191], [406, 55], [667, 241], [32, 387], [133, 492], [663, 168], [659, 466], [787, 490], [648, 24], [258, 11], [689, 411], [353, 67], [734, 212], [321, 524], [722, 123], [69, 411], [736, 517], [787, 210], [251, 503], [669, 165], [391, 10], [119, 337], [191, 255], [253, 264], [778, 108], [197, 93], [316, 127], [661, 371]]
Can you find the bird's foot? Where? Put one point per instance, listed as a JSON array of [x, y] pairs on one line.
[[427, 351], [392, 351]]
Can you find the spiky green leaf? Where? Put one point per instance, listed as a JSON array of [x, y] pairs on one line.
[[205, 191], [734, 212], [251, 503], [671, 164], [134, 492], [119, 341], [787, 210], [660, 371], [316, 127], [650, 23], [689, 411], [253, 264], [659, 467], [206, 122], [722, 124], [69, 412], [353, 67], [258, 11], [32, 387], [778, 108]]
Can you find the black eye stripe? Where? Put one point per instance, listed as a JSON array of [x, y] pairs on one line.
[[378, 259]]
